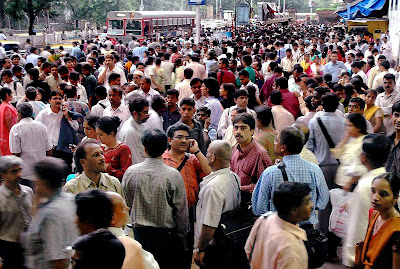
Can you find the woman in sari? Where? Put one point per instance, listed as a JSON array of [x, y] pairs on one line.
[[8, 117], [373, 113], [306, 64], [381, 246], [316, 67]]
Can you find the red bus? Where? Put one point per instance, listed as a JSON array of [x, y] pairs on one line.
[[125, 24]]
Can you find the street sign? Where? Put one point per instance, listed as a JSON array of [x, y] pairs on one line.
[[311, 3], [197, 2]]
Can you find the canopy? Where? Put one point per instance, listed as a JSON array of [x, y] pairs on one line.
[[360, 8]]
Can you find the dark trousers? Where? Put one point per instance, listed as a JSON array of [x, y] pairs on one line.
[[232, 257], [329, 172], [12, 255], [164, 244], [67, 157], [190, 240]]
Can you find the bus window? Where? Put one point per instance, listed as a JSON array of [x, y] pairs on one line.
[[165, 25], [146, 27], [184, 26], [133, 27], [115, 27]]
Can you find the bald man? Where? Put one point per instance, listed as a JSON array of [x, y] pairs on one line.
[[135, 256], [219, 193]]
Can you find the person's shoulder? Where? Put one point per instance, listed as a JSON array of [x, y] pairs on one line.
[[111, 178]]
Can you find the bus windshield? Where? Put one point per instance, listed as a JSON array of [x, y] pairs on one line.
[[115, 27], [133, 27]]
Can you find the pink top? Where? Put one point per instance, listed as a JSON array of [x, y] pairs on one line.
[[7, 111], [279, 245]]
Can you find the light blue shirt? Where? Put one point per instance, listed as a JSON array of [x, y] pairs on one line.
[[335, 70], [298, 170], [216, 110], [317, 142]]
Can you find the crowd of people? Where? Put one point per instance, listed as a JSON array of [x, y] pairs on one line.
[[121, 155]]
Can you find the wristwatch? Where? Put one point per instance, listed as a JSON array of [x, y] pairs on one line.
[[198, 250]]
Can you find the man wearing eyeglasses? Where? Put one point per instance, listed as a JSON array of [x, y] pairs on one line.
[[133, 128]]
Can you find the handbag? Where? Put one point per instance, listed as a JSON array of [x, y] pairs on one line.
[[235, 225], [317, 241]]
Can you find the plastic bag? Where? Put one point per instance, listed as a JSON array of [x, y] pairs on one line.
[[340, 214]]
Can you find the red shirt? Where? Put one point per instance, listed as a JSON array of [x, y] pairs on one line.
[[118, 159], [249, 163], [266, 88], [225, 76], [290, 103]]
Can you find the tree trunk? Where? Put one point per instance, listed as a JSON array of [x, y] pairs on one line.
[[31, 17], [2, 15]]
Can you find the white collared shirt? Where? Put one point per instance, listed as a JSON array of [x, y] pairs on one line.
[[30, 139], [130, 135], [149, 95], [154, 121], [98, 109], [52, 121]]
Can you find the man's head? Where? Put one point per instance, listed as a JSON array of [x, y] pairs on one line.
[[389, 82], [289, 141], [178, 137], [15, 59], [330, 102], [145, 84], [100, 243], [172, 98], [49, 174], [375, 150], [7, 64], [244, 77], [219, 154], [155, 142], [281, 83], [210, 87], [264, 116], [292, 200], [223, 63], [89, 158], [55, 100], [7, 76], [115, 96], [114, 79], [188, 73], [243, 127], [187, 109], [158, 104], [100, 92], [94, 210], [10, 169], [356, 105], [396, 116], [202, 114], [120, 210], [109, 60], [334, 56], [25, 110], [139, 108], [196, 84]]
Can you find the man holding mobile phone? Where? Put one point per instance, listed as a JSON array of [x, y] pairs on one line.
[[109, 69]]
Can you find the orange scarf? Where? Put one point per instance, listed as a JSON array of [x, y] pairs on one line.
[[374, 246]]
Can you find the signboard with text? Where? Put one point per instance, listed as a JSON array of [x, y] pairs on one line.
[[197, 2]]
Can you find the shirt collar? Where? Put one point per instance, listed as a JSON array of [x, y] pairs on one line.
[[214, 174], [8, 193], [149, 160], [248, 148], [26, 120], [291, 157], [86, 181], [291, 228]]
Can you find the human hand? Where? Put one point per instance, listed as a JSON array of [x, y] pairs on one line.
[[193, 146], [198, 258], [207, 123]]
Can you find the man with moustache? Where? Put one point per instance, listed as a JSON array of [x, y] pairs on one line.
[[249, 159], [91, 163]]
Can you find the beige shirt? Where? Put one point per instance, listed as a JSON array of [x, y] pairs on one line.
[[53, 83], [82, 183], [279, 245], [282, 117]]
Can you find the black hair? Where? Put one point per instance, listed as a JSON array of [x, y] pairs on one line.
[[281, 82], [95, 207], [244, 73], [101, 92], [137, 104], [100, 243], [109, 124], [213, 86], [359, 122], [390, 76], [177, 127], [73, 75], [289, 195], [4, 92], [264, 115], [31, 93], [293, 139], [188, 73], [157, 102], [396, 107], [246, 118], [330, 102], [52, 171], [359, 101], [173, 92], [276, 97], [113, 76], [92, 120], [70, 91], [155, 142], [187, 101], [205, 110], [376, 147]]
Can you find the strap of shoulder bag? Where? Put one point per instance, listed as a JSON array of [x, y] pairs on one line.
[[326, 134], [281, 167], [183, 162], [263, 216], [102, 105]]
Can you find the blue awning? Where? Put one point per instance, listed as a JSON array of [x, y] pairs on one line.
[[360, 8]]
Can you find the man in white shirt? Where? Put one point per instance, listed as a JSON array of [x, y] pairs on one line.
[[102, 103], [378, 80], [197, 96], [33, 56], [288, 62], [168, 68], [110, 68], [158, 107], [356, 69], [285, 118], [116, 107], [133, 129], [51, 117], [29, 140], [145, 89], [349, 60], [183, 87], [14, 86]]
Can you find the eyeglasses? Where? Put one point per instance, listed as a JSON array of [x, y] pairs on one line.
[[181, 137]]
